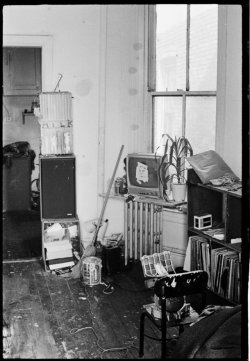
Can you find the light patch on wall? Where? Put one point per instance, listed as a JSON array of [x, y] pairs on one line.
[[84, 168], [133, 91], [132, 70], [83, 87], [134, 127], [137, 46]]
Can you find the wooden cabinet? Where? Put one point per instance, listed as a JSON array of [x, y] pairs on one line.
[[21, 71], [216, 249]]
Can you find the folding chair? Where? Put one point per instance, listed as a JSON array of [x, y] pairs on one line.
[[170, 291]]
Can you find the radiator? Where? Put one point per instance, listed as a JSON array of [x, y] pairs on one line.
[[143, 229], [56, 107]]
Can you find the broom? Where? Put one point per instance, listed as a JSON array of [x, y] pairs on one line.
[[90, 250]]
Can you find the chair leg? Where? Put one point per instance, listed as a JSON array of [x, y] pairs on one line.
[[141, 344], [163, 328]]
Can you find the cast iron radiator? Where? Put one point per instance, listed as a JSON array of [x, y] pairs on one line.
[[143, 229]]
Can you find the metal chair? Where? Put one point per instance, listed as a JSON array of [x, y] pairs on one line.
[[171, 291]]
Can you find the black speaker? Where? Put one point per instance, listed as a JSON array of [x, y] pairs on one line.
[[57, 187]]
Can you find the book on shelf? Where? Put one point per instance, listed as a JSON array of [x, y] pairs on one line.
[[200, 255], [219, 267], [224, 271], [193, 253], [238, 281], [233, 276], [206, 260], [225, 275], [214, 266]]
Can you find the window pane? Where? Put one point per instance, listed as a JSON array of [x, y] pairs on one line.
[[201, 123], [167, 117], [171, 47], [203, 47]]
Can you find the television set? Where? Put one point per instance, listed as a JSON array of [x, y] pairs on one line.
[[143, 175]]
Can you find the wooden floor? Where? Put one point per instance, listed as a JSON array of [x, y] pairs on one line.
[[50, 316]]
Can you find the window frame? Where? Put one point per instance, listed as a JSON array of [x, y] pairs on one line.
[[151, 81]]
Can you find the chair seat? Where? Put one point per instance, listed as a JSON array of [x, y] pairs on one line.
[[173, 319]]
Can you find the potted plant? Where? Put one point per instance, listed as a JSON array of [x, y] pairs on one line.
[[172, 168]]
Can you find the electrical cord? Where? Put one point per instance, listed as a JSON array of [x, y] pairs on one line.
[[75, 330], [109, 288]]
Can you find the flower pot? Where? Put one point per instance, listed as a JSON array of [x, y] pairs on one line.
[[179, 192]]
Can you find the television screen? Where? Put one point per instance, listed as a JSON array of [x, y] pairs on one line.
[[142, 174]]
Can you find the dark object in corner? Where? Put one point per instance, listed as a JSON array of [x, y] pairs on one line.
[[111, 260], [18, 149], [216, 336]]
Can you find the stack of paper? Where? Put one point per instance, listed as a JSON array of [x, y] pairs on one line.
[[58, 248]]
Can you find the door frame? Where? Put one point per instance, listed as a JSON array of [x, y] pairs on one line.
[[43, 41]]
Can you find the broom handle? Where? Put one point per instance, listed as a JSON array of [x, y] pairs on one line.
[[107, 196]]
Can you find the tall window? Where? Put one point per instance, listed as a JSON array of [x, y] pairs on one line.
[[183, 72]]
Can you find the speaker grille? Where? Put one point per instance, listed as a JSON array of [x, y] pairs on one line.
[[58, 187]]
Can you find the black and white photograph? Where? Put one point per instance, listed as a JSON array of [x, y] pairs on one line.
[[125, 181]]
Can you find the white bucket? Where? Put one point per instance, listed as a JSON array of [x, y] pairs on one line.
[[91, 270], [179, 192]]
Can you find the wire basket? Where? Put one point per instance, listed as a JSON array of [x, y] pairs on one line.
[[157, 264]]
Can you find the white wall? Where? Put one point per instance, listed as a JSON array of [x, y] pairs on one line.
[[125, 92], [229, 94], [100, 51], [75, 32]]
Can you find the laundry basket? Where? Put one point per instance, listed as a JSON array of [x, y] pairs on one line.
[[91, 270]]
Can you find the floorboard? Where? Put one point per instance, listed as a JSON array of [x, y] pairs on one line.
[[51, 316]]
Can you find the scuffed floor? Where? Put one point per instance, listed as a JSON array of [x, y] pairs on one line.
[[52, 317]]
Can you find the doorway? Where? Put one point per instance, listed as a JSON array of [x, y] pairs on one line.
[[22, 82]]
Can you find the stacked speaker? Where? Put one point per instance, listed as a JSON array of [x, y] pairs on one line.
[[57, 171]]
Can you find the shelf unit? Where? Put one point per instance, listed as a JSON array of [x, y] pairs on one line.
[[219, 257], [61, 245], [71, 226]]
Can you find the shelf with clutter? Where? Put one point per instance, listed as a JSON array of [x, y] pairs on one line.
[[214, 225], [61, 245]]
